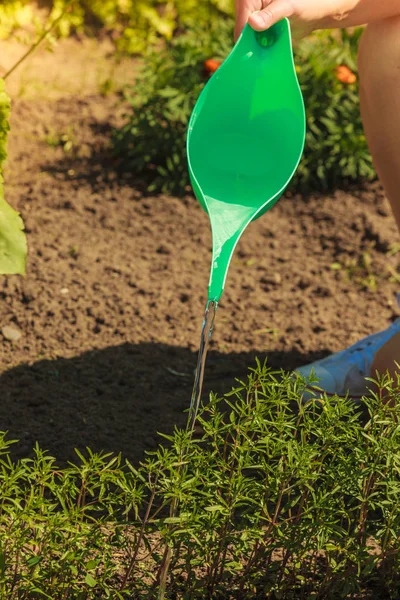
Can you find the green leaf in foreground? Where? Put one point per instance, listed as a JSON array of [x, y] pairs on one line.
[[13, 247]]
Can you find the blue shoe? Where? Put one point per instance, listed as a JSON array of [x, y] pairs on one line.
[[344, 373]]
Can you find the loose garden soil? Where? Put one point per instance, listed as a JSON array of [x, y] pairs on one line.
[[110, 310]]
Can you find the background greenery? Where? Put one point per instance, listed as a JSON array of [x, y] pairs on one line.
[[174, 38], [12, 239], [135, 24]]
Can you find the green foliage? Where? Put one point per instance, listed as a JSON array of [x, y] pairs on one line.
[[276, 499], [66, 141], [152, 141], [336, 148], [135, 24], [150, 20], [14, 14], [12, 239]]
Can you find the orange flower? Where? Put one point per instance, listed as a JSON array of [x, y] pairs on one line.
[[211, 65], [345, 75]]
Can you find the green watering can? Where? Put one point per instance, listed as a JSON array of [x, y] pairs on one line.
[[245, 139]]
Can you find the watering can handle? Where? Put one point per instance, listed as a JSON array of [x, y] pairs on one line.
[[270, 36]]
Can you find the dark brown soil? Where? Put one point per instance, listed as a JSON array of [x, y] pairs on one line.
[[111, 308]]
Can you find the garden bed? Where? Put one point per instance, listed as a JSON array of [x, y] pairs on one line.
[[111, 307]]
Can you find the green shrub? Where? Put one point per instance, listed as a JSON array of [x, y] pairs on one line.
[[152, 140], [14, 15], [277, 499], [134, 23], [336, 149]]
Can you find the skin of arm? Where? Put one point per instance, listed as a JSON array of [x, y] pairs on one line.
[[308, 15]]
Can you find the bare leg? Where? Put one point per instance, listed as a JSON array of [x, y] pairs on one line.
[[387, 359], [379, 67]]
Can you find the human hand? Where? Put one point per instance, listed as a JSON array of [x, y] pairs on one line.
[[305, 15]]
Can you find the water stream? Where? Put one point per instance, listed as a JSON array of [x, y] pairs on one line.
[[206, 332]]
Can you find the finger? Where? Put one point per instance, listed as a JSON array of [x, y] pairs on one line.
[[243, 12], [242, 15], [274, 12]]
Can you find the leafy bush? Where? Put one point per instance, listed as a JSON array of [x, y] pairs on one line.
[[336, 148], [134, 23], [14, 14], [277, 499], [152, 141]]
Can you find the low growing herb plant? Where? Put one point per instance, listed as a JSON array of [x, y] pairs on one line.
[[277, 499]]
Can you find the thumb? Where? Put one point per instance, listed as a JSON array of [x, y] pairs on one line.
[[243, 12], [274, 12]]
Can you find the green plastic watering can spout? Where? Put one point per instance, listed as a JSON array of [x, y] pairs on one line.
[[245, 139]]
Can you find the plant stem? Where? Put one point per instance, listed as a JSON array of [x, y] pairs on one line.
[[130, 568], [166, 560]]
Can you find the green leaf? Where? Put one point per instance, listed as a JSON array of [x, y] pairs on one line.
[[13, 246], [34, 561], [215, 508], [172, 520], [90, 581]]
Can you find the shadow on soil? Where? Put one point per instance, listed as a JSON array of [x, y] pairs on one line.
[[101, 165], [115, 399]]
